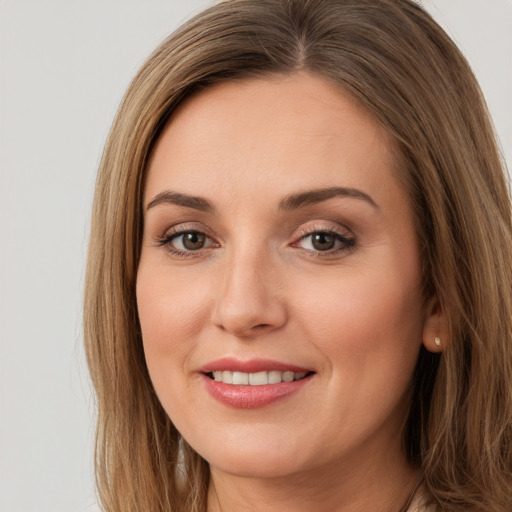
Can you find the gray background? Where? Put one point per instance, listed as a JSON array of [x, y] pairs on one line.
[[64, 67]]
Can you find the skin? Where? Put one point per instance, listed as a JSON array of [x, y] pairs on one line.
[[260, 288]]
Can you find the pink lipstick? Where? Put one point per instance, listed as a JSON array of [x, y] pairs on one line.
[[253, 384]]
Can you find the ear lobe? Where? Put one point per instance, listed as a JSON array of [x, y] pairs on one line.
[[435, 329]]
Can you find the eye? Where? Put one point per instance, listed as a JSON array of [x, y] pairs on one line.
[[190, 241], [325, 241], [185, 243], [321, 241]]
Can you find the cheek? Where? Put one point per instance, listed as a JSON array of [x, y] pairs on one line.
[[365, 322], [169, 306], [171, 314], [369, 332]]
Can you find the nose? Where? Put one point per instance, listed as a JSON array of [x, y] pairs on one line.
[[249, 301]]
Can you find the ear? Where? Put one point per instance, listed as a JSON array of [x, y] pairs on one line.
[[435, 327]]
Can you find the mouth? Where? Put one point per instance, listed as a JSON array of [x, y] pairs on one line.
[[253, 384], [260, 378]]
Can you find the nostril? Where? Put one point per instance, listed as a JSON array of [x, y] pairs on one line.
[[247, 315]]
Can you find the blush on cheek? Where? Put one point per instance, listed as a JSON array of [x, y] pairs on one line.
[[367, 320], [169, 308]]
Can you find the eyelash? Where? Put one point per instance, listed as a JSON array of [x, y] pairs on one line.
[[166, 241], [348, 243]]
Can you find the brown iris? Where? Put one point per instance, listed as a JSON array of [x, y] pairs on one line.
[[193, 241], [323, 241]]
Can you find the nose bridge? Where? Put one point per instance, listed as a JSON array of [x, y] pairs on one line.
[[248, 300]]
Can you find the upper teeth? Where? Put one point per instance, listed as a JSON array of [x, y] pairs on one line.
[[256, 379]]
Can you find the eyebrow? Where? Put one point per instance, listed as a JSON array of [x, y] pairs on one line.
[[294, 201], [167, 196], [290, 202]]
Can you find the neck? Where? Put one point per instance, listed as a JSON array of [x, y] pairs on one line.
[[382, 484]]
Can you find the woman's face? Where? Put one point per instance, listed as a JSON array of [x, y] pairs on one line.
[[279, 286]]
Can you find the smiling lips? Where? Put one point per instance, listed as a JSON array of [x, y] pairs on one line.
[[256, 379], [253, 384]]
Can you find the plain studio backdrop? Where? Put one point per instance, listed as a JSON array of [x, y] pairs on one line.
[[64, 67]]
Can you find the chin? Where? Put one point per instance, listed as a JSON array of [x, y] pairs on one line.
[[259, 467], [253, 459]]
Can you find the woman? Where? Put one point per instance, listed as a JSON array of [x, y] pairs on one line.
[[299, 283]]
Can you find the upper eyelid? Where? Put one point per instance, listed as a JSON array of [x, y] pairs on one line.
[[324, 229], [324, 226], [346, 237], [307, 228], [186, 227]]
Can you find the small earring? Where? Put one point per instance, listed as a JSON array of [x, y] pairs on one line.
[[437, 341]]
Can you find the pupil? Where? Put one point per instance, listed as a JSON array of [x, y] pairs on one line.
[[193, 241], [323, 241]]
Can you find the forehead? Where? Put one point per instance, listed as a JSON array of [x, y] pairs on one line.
[[299, 130]]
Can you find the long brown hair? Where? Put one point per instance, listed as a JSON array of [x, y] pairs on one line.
[[399, 64]]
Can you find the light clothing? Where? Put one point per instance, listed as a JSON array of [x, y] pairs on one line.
[[418, 503]]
